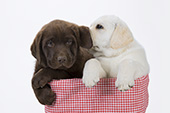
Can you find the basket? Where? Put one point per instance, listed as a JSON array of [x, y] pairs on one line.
[[73, 97]]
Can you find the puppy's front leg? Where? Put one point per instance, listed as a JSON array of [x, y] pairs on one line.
[[41, 87], [125, 76], [41, 78], [92, 72]]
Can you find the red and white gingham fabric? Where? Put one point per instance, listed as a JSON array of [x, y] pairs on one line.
[[74, 97]]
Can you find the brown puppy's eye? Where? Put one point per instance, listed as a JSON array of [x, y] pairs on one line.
[[99, 26], [69, 42], [50, 43]]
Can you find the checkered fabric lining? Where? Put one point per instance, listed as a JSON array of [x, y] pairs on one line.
[[74, 97]]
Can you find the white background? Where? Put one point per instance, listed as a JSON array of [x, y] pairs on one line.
[[20, 20]]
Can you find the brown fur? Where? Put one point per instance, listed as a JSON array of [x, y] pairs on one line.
[[59, 48]]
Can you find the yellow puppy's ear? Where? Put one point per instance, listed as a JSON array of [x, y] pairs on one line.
[[121, 36]]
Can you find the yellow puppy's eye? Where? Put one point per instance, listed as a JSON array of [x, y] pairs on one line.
[[99, 26]]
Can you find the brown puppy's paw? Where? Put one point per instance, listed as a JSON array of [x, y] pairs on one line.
[[45, 95], [40, 80]]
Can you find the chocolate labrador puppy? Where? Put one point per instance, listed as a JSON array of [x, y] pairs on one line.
[[60, 49]]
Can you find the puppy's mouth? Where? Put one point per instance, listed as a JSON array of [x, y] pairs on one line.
[[62, 66], [94, 49]]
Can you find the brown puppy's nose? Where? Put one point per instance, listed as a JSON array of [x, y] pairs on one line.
[[61, 59]]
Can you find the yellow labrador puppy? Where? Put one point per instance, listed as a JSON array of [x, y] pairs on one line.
[[116, 52]]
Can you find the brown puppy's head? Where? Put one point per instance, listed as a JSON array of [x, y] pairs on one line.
[[57, 44]]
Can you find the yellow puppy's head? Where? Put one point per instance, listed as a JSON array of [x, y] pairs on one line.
[[110, 32]]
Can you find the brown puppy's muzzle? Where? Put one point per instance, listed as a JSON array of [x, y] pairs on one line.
[[61, 59]]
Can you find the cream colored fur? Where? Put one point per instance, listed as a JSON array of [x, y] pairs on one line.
[[117, 54]]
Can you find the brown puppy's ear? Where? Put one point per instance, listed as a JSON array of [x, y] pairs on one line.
[[83, 36], [121, 36], [36, 49]]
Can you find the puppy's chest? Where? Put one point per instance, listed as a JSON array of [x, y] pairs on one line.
[[110, 65]]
